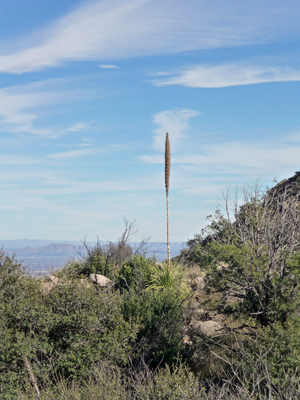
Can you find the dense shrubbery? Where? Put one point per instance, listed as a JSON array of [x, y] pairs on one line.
[[74, 329], [252, 266], [76, 341], [63, 333]]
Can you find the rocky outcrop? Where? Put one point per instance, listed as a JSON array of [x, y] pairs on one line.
[[101, 280], [201, 321]]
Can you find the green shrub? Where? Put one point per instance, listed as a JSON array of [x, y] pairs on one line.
[[261, 253], [63, 333], [268, 363], [86, 328], [135, 272], [161, 318]]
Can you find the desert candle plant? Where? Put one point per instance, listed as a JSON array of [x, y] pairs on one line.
[[167, 184]]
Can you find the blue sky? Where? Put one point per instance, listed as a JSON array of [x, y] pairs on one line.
[[88, 90]]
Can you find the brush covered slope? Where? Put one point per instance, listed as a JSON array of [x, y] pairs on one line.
[[232, 333]]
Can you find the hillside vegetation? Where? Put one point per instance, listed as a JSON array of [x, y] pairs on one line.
[[140, 334]]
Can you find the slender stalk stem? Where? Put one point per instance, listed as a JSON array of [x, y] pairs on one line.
[[167, 184], [168, 241]]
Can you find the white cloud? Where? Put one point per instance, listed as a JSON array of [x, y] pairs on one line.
[[242, 158], [87, 150], [75, 153], [78, 127], [17, 160], [176, 122], [15, 104], [20, 106], [114, 29], [216, 76], [108, 66]]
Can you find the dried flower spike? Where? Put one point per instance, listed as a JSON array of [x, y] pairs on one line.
[[167, 163], [167, 184]]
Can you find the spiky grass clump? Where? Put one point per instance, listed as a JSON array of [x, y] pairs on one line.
[[165, 276]]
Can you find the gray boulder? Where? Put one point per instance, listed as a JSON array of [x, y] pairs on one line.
[[209, 328], [100, 280], [194, 305], [196, 325], [199, 283]]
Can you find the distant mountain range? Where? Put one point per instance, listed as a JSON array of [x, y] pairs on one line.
[[22, 243], [50, 249], [42, 255]]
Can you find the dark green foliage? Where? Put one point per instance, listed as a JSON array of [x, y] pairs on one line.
[[87, 328], [160, 314], [63, 333], [252, 266], [73, 328], [246, 284], [100, 259], [135, 273], [78, 341], [267, 364], [260, 252]]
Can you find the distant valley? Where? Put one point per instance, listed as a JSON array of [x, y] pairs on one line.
[[42, 256]]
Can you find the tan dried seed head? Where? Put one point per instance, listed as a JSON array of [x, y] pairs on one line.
[[167, 163]]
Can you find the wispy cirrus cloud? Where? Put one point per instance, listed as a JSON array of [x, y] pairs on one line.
[[87, 150], [80, 126], [75, 153], [115, 29], [17, 160], [108, 66], [16, 110], [234, 160], [217, 76], [21, 106], [176, 122], [243, 158]]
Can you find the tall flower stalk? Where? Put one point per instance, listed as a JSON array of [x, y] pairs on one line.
[[167, 184]]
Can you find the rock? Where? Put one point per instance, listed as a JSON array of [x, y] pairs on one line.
[[222, 266], [210, 328], [200, 314], [199, 283], [100, 280], [186, 340], [194, 305], [195, 324], [211, 314], [54, 279], [47, 287], [219, 318]]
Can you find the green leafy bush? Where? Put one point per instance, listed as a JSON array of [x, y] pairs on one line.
[[266, 364], [259, 252], [135, 272], [161, 318], [63, 333]]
